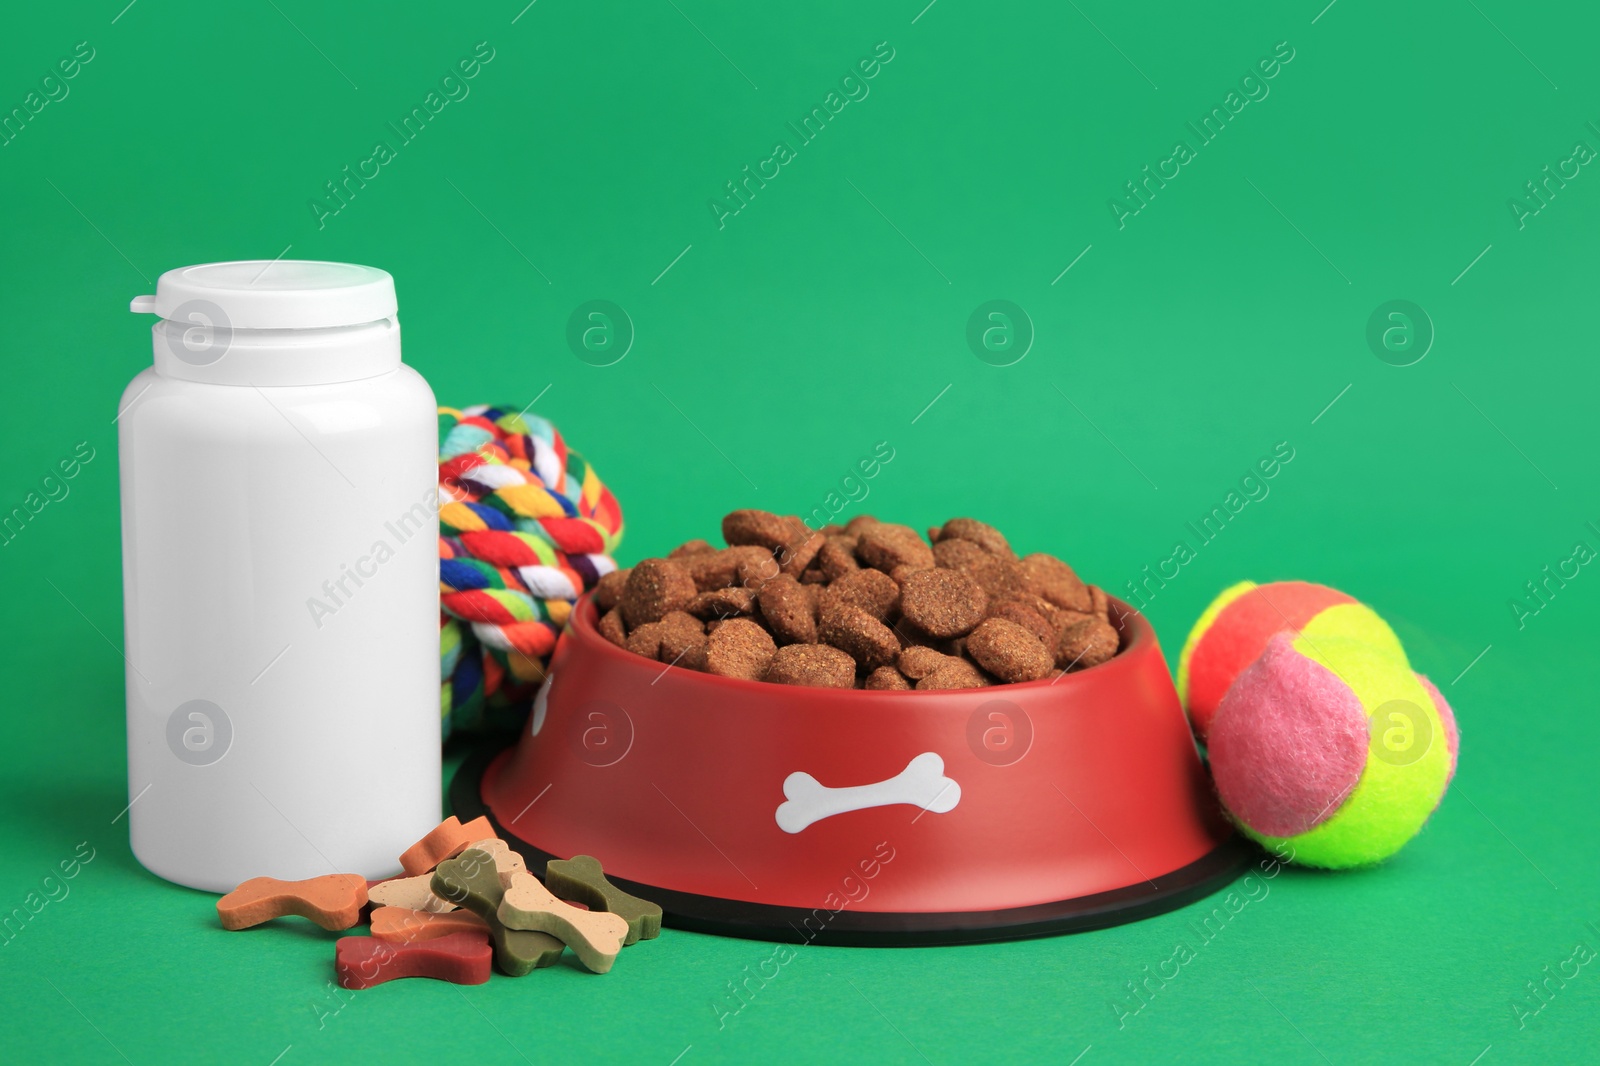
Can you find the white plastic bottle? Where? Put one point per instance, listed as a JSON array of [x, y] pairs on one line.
[[280, 578]]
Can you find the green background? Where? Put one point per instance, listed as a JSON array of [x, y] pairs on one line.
[[1226, 316]]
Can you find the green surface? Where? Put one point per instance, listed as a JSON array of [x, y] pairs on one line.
[[827, 315]]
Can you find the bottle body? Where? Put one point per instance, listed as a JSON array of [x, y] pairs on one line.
[[280, 579]]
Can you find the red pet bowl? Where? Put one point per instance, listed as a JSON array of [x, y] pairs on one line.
[[855, 817]]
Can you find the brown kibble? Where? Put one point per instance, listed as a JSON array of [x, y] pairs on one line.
[[720, 569], [999, 577], [1009, 651], [885, 546], [769, 530], [754, 572], [887, 679], [912, 638], [608, 590], [1029, 618], [788, 603], [942, 603], [852, 630], [695, 657], [612, 628], [691, 547], [655, 587], [1058, 617], [900, 573], [957, 673], [817, 665], [789, 610], [739, 648], [722, 603], [1064, 619], [871, 590], [957, 554], [837, 557], [646, 640], [982, 534], [1053, 580], [1087, 643], [917, 662], [796, 556], [679, 632]]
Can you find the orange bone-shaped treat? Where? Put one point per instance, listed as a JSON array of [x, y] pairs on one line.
[[333, 901], [400, 925], [461, 958], [444, 841], [594, 936]]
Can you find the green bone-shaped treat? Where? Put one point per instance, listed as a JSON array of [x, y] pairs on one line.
[[581, 879], [594, 936], [471, 881]]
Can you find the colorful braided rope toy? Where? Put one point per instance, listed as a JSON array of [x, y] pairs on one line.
[[525, 527]]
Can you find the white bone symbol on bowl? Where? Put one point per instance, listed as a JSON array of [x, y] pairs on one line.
[[922, 783], [541, 705]]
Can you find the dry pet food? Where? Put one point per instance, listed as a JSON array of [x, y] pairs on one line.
[[868, 605]]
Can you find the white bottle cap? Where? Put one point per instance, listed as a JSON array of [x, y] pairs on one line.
[[273, 322], [275, 294]]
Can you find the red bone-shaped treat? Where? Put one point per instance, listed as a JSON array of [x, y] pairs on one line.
[[460, 958]]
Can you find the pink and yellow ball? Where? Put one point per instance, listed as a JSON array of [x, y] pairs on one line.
[[1234, 631], [1323, 742], [1331, 750]]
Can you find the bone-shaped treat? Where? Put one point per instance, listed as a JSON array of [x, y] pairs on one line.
[[581, 879], [471, 881], [399, 925], [333, 901], [594, 936], [460, 958], [506, 861], [444, 841], [922, 784], [413, 893]]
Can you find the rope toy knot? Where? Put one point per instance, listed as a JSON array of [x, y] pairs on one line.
[[525, 528]]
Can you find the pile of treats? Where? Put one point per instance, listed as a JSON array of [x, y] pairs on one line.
[[467, 901], [865, 605]]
